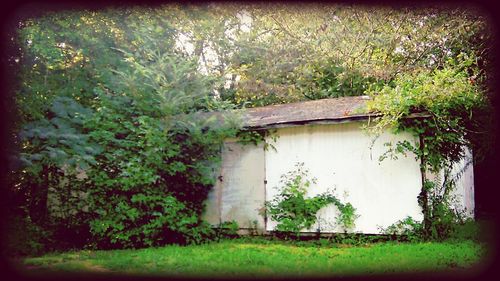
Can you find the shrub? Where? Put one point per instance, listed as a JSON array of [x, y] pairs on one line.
[[22, 237], [294, 211], [469, 230], [151, 180], [228, 229], [446, 224], [407, 228]]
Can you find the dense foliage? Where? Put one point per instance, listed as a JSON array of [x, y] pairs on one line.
[[295, 211], [302, 51], [122, 159], [150, 182], [106, 132]]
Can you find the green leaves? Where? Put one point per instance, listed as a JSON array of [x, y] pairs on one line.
[[110, 96], [294, 211], [156, 168], [447, 100], [107, 95], [437, 108], [59, 141]]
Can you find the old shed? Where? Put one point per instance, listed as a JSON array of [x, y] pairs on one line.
[[327, 136]]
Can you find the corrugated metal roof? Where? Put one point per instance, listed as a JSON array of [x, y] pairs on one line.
[[326, 110]]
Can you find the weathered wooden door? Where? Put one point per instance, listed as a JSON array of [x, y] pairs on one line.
[[239, 193]]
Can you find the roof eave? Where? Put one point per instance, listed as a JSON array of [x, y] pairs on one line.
[[325, 121]]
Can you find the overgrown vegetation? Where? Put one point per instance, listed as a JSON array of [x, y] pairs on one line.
[[295, 211], [411, 230], [104, 129], [153, 178], [447, 102], [123, 162]]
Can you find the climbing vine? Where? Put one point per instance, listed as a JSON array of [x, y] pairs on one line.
[[438, 108], [256, 137], [294, 211]]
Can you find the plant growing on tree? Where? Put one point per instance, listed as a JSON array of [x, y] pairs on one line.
[[294, 211]]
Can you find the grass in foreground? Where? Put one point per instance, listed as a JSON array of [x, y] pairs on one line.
[[236, 258]]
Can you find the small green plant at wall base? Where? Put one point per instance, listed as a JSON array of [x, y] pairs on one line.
[[347, 214], [294, 211], [227, 229], [407, 228], [254, 228]]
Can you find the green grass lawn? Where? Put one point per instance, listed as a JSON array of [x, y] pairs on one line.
[[244, 258]]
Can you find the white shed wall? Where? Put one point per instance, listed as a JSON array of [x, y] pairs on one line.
[[339, 156], [239, 193], [465, 185], [463, 194]]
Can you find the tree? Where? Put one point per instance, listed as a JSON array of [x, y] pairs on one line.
[[297, 52], [106, 97]]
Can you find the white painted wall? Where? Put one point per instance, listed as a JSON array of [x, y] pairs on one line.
[[463, 194], [339, 156], [465, 185], [239, 194]]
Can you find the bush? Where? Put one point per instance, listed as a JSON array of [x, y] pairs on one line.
[[446, 225], [406, 229], [443, 221], [228, 229], [150, 182], [469, 230], [24, 238], [294, 211]]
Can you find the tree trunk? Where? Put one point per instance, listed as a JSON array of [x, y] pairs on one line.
[[39, 193], [423, 197]]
